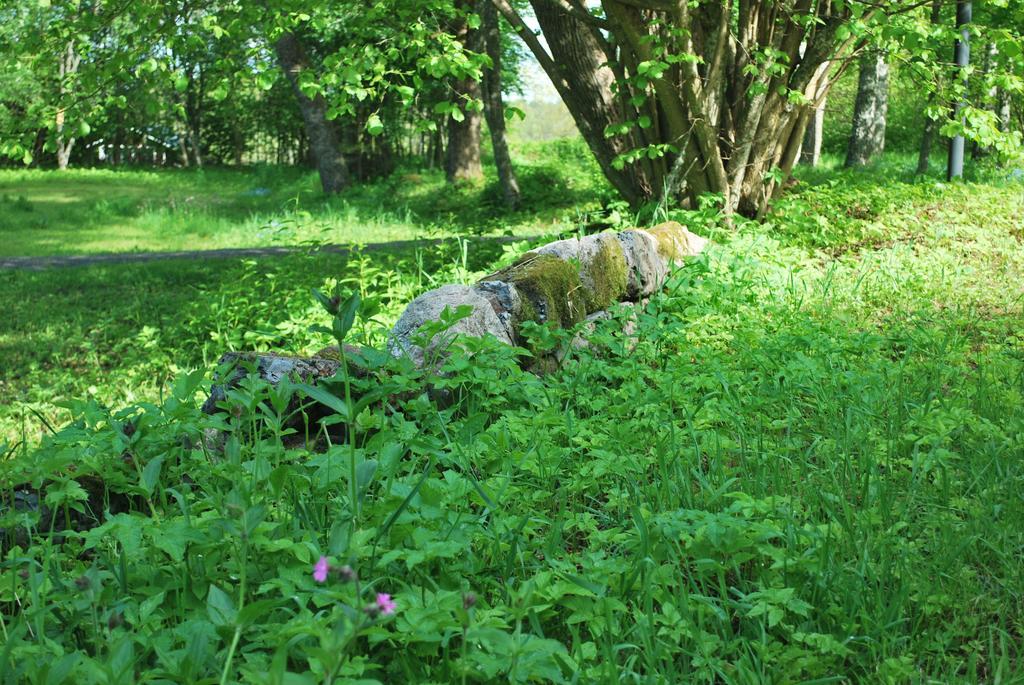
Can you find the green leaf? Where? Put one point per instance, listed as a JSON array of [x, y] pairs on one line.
[[150, 605], [346, 316], [374, 126], [325, 398], [364, 473], [514, 112], [151, 474], [61, 669], [220, 608], [254, 611]]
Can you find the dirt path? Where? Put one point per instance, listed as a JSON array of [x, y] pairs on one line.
[[62, 261]]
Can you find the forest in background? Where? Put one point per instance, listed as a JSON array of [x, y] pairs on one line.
[[674, 104]]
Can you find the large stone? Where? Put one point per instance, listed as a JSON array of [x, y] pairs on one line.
[[271, 368], [646, 268], [428, 309], [675, 243], [506, 302], [603, 269]]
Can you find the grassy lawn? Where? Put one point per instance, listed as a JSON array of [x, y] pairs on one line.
[[100, 211], [807, 469]]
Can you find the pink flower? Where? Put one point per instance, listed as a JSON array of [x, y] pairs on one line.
[[385, 604], [320, 569]]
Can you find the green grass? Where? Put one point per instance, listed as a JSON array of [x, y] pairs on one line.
[[804, 467], [100, 211]]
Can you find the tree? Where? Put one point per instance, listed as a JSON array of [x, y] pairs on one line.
[[810, 151], [712, 96], [930, 125], [347, 63], [867, 137], [323, 138], [494, 108], [463, 160]]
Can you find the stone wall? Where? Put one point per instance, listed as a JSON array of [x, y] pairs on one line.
[[562, 284]]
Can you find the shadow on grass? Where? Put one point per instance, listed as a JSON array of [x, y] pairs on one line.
[[117, 332]]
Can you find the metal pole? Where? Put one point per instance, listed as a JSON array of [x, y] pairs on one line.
[[962, 56]]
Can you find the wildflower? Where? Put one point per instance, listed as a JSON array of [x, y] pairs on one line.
[[383, 606], [468, 601], [320, 569]]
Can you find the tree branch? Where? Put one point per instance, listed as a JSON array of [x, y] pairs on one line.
[[530, 38], [579, 13]]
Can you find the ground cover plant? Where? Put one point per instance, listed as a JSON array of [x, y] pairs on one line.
[[99, 211], [803, 466]]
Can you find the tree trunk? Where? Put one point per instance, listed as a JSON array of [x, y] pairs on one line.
[[67, 65], [579, 69], [323, 139], [867, 139], [810, 152], [463, 162], [494, 108], [64, 146], [1003, 109], [724, 123], [183, 149], [930, 125]]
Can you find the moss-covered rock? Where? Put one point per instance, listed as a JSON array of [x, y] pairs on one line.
[[675, 243], [601, 264], [604, 272], [550, 288]]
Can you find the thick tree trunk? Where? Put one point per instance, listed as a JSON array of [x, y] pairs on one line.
[[463, 162], [64, 145], [810, 152], [463, 152], [494, 108], [867, 139], [578, 67], [720, 124], [323, 139]]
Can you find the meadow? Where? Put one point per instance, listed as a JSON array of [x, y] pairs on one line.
[[803, 466], [90, 211]]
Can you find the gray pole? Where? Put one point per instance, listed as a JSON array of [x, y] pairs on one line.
[[962, 55]]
